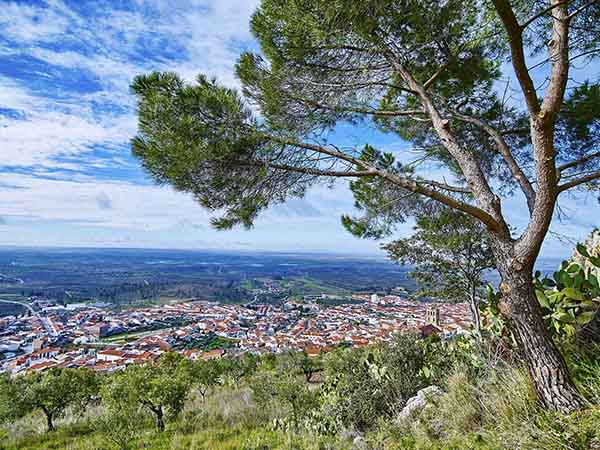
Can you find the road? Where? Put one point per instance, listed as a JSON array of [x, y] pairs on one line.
[[47, 325], [25, 305]]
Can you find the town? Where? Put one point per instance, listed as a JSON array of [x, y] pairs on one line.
[[105, 339]]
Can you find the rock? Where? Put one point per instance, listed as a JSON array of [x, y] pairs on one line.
[[592, 244], [349, 435], [358, 441], [416, 404]]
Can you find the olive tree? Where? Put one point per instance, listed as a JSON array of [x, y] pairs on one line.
[[158, 388], [429, 71], [55, 390]]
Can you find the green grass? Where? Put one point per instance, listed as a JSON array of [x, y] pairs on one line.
[[493, 410], [226, 420], [233, 438], [124, 338]]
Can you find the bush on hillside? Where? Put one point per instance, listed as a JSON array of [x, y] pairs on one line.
[[285, 388], [365, 385]]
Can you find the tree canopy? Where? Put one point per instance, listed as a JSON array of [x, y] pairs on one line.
[[55, 390], [159, 388], [432, 73]]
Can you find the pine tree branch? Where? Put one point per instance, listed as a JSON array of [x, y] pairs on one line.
[[416, 186], [579, 181], [515, 38], [542, 13], [507, 155], [559, 56], [515, 131], [479, 186], [581, 9], [312, 170], [578, 162], [436, 75], [366, 111]]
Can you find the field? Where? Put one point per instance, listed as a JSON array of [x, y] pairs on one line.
[[137, 277]]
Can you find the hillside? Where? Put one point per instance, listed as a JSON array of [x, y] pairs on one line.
[[353, 399]]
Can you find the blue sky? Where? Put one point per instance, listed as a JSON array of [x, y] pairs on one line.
[[66, 117]]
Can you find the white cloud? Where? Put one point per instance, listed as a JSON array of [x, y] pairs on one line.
[[115, 204], [201, 36], [28, 23], [121, 213]]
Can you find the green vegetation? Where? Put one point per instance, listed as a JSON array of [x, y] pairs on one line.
[[51, 392], [160, 389], [179, 275], [271, 403], [568, 299], [449, 253]]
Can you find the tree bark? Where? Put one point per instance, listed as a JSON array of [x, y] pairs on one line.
[[546, 365], [474, 305], [49, 423], [160, 422]]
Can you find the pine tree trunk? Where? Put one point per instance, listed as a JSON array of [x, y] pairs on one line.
[[547, 368]]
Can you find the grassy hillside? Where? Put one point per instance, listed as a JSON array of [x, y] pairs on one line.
[[486, 402]]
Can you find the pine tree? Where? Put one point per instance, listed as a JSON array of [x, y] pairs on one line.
[[427, 71]]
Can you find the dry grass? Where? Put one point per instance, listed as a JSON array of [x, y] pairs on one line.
[[500, 412], [496, 410]]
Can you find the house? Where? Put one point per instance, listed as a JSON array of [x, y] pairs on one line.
[[429, 330], [110, 355]]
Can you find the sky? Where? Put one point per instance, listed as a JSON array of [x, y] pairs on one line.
[[67, 177]]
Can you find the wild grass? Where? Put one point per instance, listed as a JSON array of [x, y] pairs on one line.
[[499, 412], [496, 409]]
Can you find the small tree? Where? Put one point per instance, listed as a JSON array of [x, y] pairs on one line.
[[55, 390], [310, 365], [450, 252], [204, 375], [300, 363], [160, 388], [286, 388]]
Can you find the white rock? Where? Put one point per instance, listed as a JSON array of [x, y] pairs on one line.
[[417, 403]]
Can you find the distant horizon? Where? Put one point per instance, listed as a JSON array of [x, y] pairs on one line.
[[381, 256], [207, 250]]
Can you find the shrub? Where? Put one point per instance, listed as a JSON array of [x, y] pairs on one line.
[[367, 384], [288, 390], [121, 426]]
